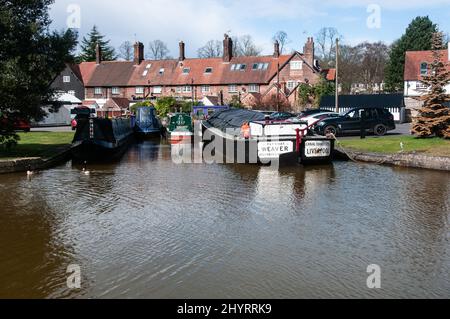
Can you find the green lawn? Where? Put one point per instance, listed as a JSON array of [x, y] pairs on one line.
[[38, 144], [389, 145]]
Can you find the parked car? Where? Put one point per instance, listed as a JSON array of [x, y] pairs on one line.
[[310, 112], [282, 116], [18, 124], [377, 120], [311, 119]]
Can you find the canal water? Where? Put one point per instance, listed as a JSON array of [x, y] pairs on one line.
[[147, 228]]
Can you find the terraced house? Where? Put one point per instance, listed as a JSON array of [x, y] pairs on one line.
[[253, 80]]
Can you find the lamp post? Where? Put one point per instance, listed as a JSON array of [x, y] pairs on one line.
[[337, 76]]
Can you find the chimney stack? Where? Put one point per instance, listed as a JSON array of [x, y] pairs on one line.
[[276, 51], [138, 53], [182, 51], [308, 51], [98, 54], [227, 49]]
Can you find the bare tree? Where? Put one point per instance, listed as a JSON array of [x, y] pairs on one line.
[[245, 46], [283, 39], [158, 50], [126, 51], [212, 49], [326, 44]]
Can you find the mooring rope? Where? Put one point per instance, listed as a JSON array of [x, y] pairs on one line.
[[351, 157]]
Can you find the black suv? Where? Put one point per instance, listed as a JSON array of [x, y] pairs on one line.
[[376, 120]]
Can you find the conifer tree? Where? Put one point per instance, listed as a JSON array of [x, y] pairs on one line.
[[89, 44], [434, 116]]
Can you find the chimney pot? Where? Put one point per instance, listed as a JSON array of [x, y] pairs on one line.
[[98, 54], [227, 49], [138, 53], [182, 51], [276, 52]]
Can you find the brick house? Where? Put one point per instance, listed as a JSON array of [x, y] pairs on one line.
[[252, 80], [417, 65]]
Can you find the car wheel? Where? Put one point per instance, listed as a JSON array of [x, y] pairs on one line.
[[380, 130], [330, 130]]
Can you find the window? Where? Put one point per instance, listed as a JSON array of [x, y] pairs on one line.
[[98, 91], [157, 90], [242, 67], [66, 79], [145, 73], [291, 85], [187, 89], [296, 65], [148, 66], [205, 89], [179, 89], [115, 91], [208, 70], [186, 70], [424, 69], [71, 92], [140, 90], [253, 88], [260, 66], [161, 71], [421, 86], [232, 88]]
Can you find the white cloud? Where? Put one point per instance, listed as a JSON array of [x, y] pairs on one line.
[[194, 21]]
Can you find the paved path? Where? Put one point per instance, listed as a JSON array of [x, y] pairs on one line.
[[52, 129]]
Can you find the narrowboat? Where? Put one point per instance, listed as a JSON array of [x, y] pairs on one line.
[[99, 139], [250, 137], [180, 128], [146, 123]]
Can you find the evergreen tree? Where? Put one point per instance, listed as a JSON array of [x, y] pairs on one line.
[[416, 38], [89, 44], [434, 116], [31, 56]]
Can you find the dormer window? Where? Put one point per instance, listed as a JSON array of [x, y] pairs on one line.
[[148, 66], [186, 70], [161, 71], [424, 69], [208, 70]]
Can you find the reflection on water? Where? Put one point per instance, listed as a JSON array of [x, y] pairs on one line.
[[148, 228]]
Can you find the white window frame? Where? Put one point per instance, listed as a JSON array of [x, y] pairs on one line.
[[421, 69], [157, 89], [187, 89], [139, 90], [115, 90], [253, 88], [232, 88], [66, 79], [71, 92], [206, 88], [186, 71], [161, 71], [98, 91], [296, 65], [179, 89], [291, 85]]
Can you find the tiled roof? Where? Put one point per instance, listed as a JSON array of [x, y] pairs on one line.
[[330, 74], [116, 104], [83, 71], [415, 58], [149, 72]]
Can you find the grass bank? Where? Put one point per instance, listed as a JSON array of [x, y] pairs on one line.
[[391, 145], [38, 144]]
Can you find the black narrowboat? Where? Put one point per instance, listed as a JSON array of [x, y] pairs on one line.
[[98, 139], [249, 137]]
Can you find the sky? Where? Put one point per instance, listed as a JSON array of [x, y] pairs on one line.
[[197, 21]]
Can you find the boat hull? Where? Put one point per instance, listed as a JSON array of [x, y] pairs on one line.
[[93, 151]]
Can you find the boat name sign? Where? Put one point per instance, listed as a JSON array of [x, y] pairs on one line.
[[274, 149], [317, 148]]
